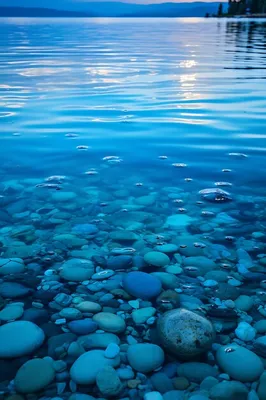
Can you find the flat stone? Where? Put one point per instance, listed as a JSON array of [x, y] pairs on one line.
[[229, 390], [34, 376], [11, 312], [70, 313], [10, 266], [13, 290], [82, 327], [156, 258], [196, 371], [119, 262], [178, 221], [145, 357], [98, 340], [85, 369], [12, 344], [110, 322], [89, 307]]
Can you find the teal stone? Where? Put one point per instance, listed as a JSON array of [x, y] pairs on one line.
[[169, 281], [34, 376], [63, 196], [11, 266], [167, 248], [157, 259], [85, 369], [239, 363], [145, 357], [98, 340], [196, 371], [140, 316], [20, 338], [110, 322], [229, 390]]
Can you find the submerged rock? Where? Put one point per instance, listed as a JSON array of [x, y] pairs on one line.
[[215, 195], [239, 363], [86, 368], [145, 357], [185, 333], [142, 285], [34, 376], [19, 338]]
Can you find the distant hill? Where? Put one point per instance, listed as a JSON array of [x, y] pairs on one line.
[[68, 8], [40, 12]]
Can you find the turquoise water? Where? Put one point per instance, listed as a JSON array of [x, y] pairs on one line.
[[119, 124]]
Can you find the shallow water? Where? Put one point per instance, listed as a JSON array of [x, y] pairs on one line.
[[76, 92]]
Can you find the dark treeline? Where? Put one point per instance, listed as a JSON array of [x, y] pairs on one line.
[[240, 7]]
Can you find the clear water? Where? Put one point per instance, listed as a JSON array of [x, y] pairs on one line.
[[190, 89]]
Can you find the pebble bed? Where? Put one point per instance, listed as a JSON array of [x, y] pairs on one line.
[[112, 286]]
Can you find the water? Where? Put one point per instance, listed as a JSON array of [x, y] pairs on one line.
[[152, 93]]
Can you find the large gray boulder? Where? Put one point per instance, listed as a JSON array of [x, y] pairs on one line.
[[184, 333]]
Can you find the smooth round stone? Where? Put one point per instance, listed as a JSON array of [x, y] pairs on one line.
[[11, 312], [11, 266], [178, 221], [145, 357], [153, 396], [13, 290], [82, 327], [239, 363], [123, 236], [142, 285], [63, 196], [229, 390], [174, 269], [245, 332], [108, 381], [77, 274], [143, 314], [203, 264], [88, 365], [89, 306], [112, 350], [80, 396], [260, 326], [119, 262], [125, 373], [196, 371], [98, 340], [70, 313], [19, 338], [169, 281], [184, 333], [85, 229], [244, 303], [110, 322], [102, 275], [34, 376], [156, 258], [167, 248]]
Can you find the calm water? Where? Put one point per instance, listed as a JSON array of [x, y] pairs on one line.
[[180, 105], [191, 89]]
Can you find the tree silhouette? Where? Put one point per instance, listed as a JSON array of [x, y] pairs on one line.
[[220, 10]]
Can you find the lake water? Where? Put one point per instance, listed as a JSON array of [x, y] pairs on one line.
[[110, 128]]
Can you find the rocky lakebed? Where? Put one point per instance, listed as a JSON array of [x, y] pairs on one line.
[[117, 287]]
